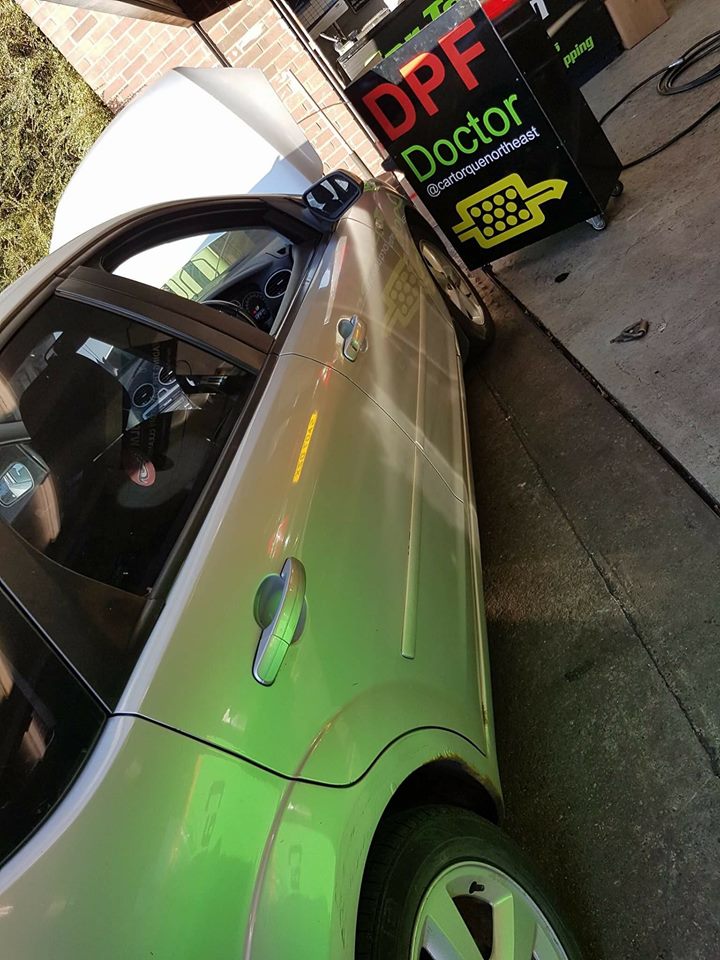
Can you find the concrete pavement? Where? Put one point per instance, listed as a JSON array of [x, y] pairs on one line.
[[656, 261], [601, 570]]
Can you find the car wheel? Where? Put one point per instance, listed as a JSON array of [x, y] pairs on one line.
[[443, 884], [461, 298]]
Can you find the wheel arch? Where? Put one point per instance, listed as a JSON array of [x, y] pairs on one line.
[[437, 785], [318, 851], [416, 221], [446, 781]]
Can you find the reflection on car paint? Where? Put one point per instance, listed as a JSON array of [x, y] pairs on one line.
[[305, 447], [15, 483], [401, 297]]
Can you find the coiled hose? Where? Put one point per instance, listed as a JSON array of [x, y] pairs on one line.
[[669, 85]]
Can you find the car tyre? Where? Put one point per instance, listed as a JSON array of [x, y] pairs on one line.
[[464, 303], [441, 875]]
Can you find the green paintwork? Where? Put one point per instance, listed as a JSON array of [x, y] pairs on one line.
[[201, 843], [171, 849]]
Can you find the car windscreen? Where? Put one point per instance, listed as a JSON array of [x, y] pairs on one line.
[[48, 724]]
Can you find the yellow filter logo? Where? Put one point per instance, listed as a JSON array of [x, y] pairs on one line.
[[505, 210]]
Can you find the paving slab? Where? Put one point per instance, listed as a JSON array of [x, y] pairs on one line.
[[601, 568]]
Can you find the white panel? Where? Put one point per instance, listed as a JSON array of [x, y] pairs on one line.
[[195, 133]]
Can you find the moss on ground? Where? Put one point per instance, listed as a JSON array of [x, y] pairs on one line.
[[49, 117]]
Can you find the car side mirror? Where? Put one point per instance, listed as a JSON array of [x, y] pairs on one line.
[[330, 197]]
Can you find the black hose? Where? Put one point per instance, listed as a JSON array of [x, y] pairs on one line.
[[669, 85]]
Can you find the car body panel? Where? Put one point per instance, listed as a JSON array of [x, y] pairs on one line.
[[442, 427], [320, 846], [411, 658], [409, 365], [317, 454], [355, 278], [220, 817], [172, 849], [195, 132], [154, 852]]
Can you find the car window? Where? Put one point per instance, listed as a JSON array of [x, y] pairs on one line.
[[245, 273], [109, 431], [47, 725]]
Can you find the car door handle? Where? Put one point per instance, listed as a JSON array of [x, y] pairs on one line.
[[354, 336], [280, 609]]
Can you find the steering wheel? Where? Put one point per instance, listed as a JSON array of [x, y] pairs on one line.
[[232, 309]]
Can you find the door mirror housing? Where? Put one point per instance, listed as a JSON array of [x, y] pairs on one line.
[[329, 198]]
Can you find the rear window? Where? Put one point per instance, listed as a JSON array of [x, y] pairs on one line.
[[48, 723], [109, 431]]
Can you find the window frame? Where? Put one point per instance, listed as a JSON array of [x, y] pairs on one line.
[[203, 327], [124, 236], [57, 614], [86, 279], [72, 689], [172, 221], [287, 215]]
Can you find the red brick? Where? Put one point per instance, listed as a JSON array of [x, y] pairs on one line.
[[114, 88], [118, 30], [139, 61], [156, 64], [173, 46], [275, 34], [119, 64], [82, 29], [251, 18]]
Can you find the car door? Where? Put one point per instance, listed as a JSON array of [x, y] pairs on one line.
[[444, 577], [308, 538], [372, 271], [409, 364], [112, 427]]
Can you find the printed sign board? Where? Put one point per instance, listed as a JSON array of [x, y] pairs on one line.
[[583, 35], [582, 32], [454, 110]]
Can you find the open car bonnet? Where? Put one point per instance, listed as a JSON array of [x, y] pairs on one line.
[[195, 133]]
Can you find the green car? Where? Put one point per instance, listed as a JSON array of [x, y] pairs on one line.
[[244, 686]]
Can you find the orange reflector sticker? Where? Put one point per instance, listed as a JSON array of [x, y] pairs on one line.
[[305, 446]]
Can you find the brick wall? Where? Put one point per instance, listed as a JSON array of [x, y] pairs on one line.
[[118, 56]]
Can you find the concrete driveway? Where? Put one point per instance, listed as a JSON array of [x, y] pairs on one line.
[[656, 261], [601, 570]]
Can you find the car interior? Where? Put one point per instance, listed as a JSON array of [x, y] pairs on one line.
[[250, 273], [116, 429]]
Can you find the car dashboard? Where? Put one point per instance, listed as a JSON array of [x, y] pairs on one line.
[[255, 287]]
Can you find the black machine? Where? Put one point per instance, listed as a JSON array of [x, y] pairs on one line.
[[582, 33], [481, 116]]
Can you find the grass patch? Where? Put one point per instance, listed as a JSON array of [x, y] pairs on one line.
[[49, 117]]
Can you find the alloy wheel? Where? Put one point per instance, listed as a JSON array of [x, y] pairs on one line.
[[474, 911], [454, 285]]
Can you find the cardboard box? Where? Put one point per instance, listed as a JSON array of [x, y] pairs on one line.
[[636, 19]]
